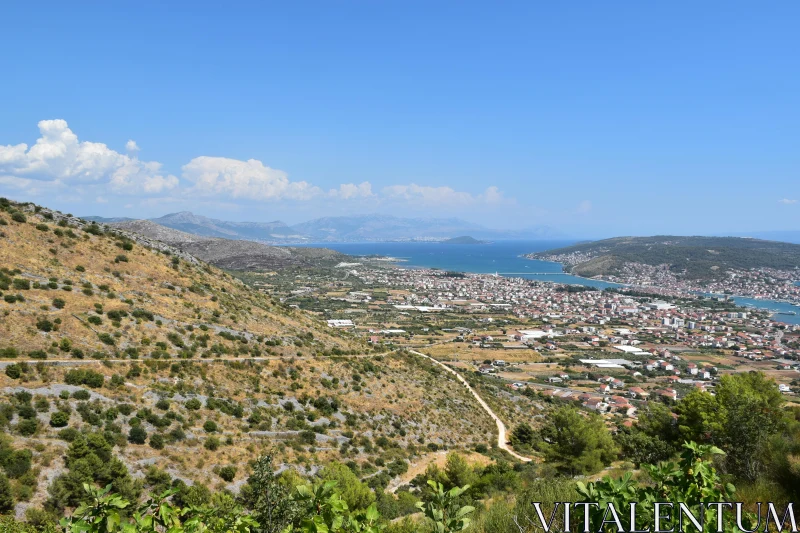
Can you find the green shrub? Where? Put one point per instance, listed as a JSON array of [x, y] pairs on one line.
[[59, 419], [28, 427], [8, 353], [68, 434], [82, 394], [19, 217], [227, 473], [157, 442], [58, 303], [13, 371], [193, 404], [43, 324], [210, 426], [137, 435], [93, 229]]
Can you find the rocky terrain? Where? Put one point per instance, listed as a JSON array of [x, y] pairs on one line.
[[126, 361]]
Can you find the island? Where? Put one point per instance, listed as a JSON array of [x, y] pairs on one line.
[[464, 240]]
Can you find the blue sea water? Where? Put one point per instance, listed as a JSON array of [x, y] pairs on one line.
[[505, 258]]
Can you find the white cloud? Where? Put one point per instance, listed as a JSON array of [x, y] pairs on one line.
[[441, 196], [493, 195], [347, 191], [58, 156], [139, 176], [584, 207], [243, 179], [60, 161], [787, 201], [101, 200]]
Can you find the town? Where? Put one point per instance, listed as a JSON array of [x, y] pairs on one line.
[[607, 350]]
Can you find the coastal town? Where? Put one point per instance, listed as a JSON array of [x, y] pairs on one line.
[[761, 283], [607, 350]]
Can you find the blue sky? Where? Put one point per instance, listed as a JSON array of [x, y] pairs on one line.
[[595, 118]]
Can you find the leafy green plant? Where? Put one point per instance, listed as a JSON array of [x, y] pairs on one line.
[[693, 480], [444, 508]]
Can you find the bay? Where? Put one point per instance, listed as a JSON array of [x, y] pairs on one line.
[[502, 257], [506, 258]]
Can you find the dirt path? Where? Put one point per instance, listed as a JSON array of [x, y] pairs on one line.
[[502, 442]]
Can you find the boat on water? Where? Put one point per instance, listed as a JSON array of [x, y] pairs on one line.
[[791, 313]]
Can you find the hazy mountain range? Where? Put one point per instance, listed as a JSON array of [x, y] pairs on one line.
[[362, 228]]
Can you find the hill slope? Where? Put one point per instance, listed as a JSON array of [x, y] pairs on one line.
[[688, 257], [230, 253], [51, 257], [172, 369]]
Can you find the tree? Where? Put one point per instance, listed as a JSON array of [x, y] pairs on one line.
[[356, 494], [458, 472], [137, 435], [741, 418], [754, 408], [523, 435], [575, 443], [655, 437], [701, 418], [267, 498]]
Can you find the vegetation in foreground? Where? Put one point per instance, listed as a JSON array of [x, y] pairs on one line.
[[324, 506]]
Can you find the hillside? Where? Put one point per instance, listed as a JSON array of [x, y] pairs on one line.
[[233, 254], [688, 257], [173, 370]]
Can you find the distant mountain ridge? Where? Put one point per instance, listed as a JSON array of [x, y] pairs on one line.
[[360, 228], [233, 254], [210, 227]]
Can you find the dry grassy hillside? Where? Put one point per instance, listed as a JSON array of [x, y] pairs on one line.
[[87, 291], [178, 371]]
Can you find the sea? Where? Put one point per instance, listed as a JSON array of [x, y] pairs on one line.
[[505, 258]]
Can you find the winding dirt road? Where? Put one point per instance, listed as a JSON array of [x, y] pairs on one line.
[[501, 427]]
